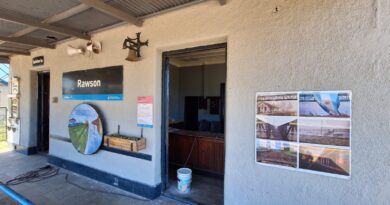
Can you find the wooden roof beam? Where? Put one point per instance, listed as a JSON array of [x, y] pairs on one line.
[[11, 51], [12, 16], [27, 41], [222, 2], [112, 11], [4, 59]]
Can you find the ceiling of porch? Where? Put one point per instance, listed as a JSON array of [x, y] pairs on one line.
[[25, 24]]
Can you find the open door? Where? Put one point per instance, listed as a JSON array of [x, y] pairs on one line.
[[43, 111], [193, 117]]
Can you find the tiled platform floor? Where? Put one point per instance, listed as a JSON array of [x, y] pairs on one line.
[[56, 190]]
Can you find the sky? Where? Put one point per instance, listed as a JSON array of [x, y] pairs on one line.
[[4, 72]]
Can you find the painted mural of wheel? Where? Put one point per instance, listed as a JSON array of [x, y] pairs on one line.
[[85, 129]]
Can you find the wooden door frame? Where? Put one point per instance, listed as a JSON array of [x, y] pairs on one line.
[[165, 104]]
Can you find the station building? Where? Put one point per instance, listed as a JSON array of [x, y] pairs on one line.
[[203, 67]]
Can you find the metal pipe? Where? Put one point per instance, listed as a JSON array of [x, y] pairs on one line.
[[15, 196]]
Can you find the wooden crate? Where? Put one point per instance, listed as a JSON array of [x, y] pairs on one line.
[[133, 144]]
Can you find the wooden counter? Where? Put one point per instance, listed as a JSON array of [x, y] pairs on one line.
[[208, 154]]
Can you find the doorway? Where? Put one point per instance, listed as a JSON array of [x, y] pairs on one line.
[[193, 119], [43, 111]]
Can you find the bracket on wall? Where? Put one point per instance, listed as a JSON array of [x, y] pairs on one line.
[[134, 45]]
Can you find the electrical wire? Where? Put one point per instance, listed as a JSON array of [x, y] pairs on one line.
[[192, 149], [50, 171], [34, 176]]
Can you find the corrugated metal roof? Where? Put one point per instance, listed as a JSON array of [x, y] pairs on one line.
[[7, 28], [84, 21], [44, 35], [39, 8], [88, 20], [145, 7]]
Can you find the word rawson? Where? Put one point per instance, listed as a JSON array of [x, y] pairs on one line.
[[93, 84], [88, 84]]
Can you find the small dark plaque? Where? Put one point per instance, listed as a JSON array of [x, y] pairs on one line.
[[38, 61]]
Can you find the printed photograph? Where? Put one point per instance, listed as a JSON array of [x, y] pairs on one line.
[[328, 160], [276, 153], [324, 131], [276, 128], [277, 104], [325, 104]]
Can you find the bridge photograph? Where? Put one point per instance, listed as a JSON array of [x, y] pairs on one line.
[[268, 130], [328, 160]]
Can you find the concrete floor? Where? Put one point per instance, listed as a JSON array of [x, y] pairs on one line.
[[204, 190], [4, 147], [56, 191]]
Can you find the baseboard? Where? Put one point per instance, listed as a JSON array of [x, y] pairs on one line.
[[144, 190], [26, 150]]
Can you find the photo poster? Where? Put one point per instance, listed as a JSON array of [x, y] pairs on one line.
[[145, 112], [308, 131]]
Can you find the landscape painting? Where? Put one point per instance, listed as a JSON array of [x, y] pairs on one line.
[[324, 131], [276, 128], [327, 160], [278, 104], [276, 153], [325, 104]]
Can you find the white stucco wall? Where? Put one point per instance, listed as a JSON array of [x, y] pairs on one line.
[[305, 45]]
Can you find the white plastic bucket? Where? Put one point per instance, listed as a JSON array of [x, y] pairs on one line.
[[184, 176]]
